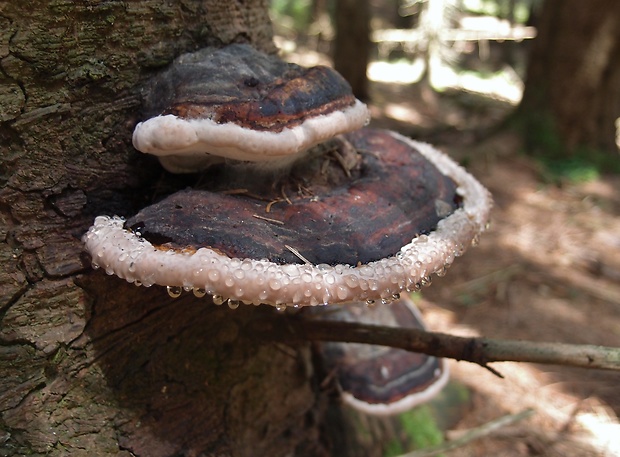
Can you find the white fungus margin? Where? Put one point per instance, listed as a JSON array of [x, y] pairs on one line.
[[184, 145], [125, 254], [406, 403]]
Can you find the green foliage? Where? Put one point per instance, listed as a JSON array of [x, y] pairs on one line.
[[421, 426], [393, 449], [294, 12], [572, 169], [559, 164]]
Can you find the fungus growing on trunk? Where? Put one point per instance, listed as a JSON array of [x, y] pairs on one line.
[[355, 216], [238, 103]]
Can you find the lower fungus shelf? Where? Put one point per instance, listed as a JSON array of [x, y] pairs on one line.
[[363, 252]]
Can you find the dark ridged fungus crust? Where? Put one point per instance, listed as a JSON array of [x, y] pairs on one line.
[[393, 194], [258, 91]]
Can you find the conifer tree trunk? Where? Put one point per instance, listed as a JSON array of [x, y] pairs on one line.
[[572, 91], [352, 45]]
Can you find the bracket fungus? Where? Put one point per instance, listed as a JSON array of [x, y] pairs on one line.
[[238, 103], [354, 216], [382, 380], [404, 214]]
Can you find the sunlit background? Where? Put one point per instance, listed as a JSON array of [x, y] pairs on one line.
[[453, 73]]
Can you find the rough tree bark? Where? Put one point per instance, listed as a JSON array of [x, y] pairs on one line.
[[572, 90], [91, 365]]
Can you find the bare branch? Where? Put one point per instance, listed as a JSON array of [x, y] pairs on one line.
[[479, 350]]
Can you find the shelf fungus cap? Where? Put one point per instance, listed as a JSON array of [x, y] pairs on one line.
[[381, 380], [402, 213], [238, 103]]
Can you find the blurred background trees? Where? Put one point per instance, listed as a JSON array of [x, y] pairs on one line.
[[352, 43], [571, 101], [562, 57]]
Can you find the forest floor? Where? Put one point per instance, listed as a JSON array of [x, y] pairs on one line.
[[547, 270]]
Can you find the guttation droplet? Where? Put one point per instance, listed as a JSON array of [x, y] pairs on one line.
[[199, 293], [280, 307], [174, 291], [234, 304], [218, 299]]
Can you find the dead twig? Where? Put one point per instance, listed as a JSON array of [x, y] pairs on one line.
[[284, 196], [479, 350], [298, 254], [271, 203], [345, 167], [268, 219]]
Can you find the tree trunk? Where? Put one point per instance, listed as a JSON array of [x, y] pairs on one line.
[[89, 364], [352, 44], [572, 91]]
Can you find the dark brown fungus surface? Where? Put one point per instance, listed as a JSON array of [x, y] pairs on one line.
[[392, 198]]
